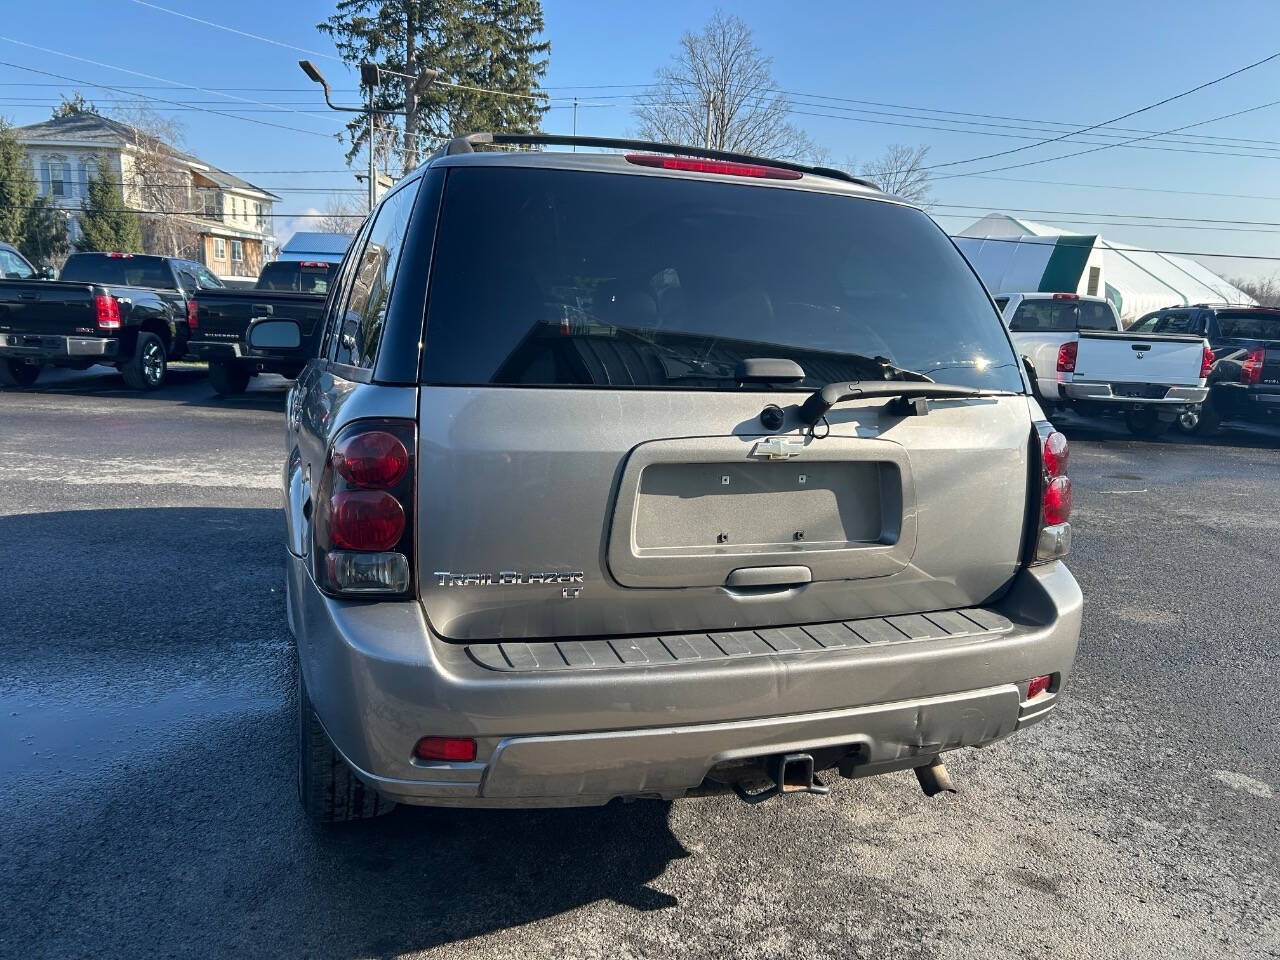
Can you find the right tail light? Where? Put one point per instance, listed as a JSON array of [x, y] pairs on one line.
[[364, 511], [1251, 369], [1067, 357], [1053, 531]]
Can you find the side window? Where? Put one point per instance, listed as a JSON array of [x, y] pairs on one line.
[[12, 267], [338, 295], [1146, 324], [206, 280], [366, 310], [188, 280]]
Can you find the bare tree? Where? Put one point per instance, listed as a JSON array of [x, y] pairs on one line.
[[339, 215], [901, 171], [719, 92], [1266, 290], [158, 183]]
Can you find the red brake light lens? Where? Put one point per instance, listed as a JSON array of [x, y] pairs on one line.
[[1057, 501], [1066, 296], [1056, 454], [1206, 363], [193, 315], [726, 167], [120, 256], [376, 459], [447, 749], [1251, 369], [365, 520], [108, 311], [1067, 357], [1037, 686]]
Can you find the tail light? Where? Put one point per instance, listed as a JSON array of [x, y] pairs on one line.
[[1251, 369], [1053, 529], [193, 315], [108, 311], [1206, 363], [364, 511], [1067, 357]]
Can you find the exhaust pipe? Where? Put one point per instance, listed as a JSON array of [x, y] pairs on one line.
[[934, 778]]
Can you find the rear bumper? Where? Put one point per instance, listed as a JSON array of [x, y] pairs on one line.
[[1249, 402], [583, 735], [45, 347], [215, 351], [1107, 393]]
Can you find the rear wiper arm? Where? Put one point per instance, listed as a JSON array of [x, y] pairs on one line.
[[820, 401]]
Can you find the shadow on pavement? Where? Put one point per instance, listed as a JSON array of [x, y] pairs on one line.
[[148, 758], [185, 384]]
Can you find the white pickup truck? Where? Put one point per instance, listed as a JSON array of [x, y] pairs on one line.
[[1082, 359]]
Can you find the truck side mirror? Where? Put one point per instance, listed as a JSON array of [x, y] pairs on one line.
[[275, 335], [48, 272]]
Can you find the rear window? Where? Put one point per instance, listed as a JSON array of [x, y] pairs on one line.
[[1181, 321], [1249, 326], [129, 271], [565, 278], [297, 277], [1060, 316]]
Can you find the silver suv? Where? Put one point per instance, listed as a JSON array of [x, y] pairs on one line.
[[648, 473]]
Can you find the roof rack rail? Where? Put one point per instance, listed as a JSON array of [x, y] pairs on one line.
[[469, 143]]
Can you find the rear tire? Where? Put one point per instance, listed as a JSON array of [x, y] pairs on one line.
[[227, 378], [148, 366], [1210, 420], [1146, 424], [330, 792], [15, 373]]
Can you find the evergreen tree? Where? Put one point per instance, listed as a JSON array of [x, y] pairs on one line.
[[45, 234], [73, 105], [17, 186], [492, 44], [106, 223]]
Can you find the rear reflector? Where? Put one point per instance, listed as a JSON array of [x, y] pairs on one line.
[[375, 459], [448, 749], [193, 315], [365, 520], [1251, 369], [726, 167], [1037, 686], [1206, 363], [1067, 357], [108, 311]]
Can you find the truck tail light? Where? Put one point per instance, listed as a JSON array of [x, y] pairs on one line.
[[108, 311], [1067, 357], [364, 511], [1206, 363], [1251, 369], [1052, 528], [193, 316]]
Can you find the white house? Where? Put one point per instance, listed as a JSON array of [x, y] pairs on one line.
[[226, 221]]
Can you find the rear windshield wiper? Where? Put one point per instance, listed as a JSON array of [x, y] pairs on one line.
[[820, 401]]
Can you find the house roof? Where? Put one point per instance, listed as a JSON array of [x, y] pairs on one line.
[[305, 241], [92, 128]]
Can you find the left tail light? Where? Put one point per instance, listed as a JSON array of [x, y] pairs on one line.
[[1067, 357], [364, 511], [193, 315], [108, 311], [1053, 529]]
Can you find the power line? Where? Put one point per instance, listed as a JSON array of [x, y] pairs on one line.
[[1124, 116], [238, 32]]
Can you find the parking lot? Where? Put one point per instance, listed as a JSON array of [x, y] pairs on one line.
[[147, 797]]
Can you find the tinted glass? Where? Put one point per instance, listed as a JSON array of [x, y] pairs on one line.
[[558, 277], [1249, 325], [1145, 324], [13, 267], [1181, 321], [132, 271], [297, 278], [366, 309], [1059, 316]]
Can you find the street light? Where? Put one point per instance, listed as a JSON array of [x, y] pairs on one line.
[[371, 78]]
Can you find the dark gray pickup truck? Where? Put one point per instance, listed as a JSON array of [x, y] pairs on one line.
[[131, 311]]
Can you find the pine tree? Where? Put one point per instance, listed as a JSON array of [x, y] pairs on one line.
[[17, 186], [492, 44], [44, 237], [106, 223]]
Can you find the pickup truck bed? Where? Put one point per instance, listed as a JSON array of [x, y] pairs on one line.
[[223, 321], [1161, 368]]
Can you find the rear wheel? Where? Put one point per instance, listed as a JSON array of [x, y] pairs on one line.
[[228, 378], [1208, 420], [1146, 423], [15, 373], [330, 792], [147, 368]]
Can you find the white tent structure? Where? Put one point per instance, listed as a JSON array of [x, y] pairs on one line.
[[1013, 255]]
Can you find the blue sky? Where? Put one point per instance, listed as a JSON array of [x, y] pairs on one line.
[[1076, 63]]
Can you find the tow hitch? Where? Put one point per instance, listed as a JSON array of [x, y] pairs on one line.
[[790, 773]]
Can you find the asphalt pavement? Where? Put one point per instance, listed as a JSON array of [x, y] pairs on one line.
[[147, 799]]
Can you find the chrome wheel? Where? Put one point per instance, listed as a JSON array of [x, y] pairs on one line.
[[153, 363], [1189, 420]]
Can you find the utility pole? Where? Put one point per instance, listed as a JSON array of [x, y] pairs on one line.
[[369, 77], [708, 143], [575, 122]]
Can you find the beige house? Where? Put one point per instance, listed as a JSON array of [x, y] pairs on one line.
[[200, 212]]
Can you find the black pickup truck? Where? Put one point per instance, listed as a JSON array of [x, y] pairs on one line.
[[224, 319], [131, 311]]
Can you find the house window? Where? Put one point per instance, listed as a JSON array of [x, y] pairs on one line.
[[237, 251], [211, 204], [88, 170], [56, 173], [257, 210], [219, 248]]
